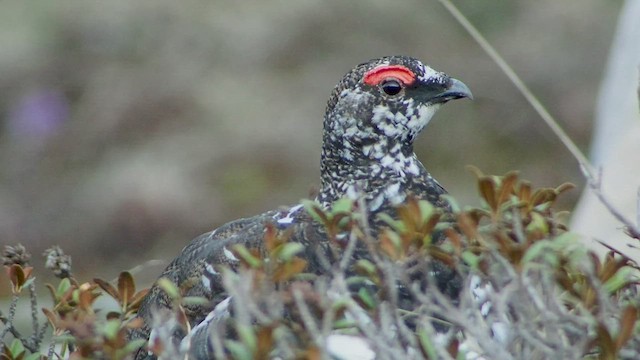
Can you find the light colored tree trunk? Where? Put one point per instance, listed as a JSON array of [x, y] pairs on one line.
[[616, 143]]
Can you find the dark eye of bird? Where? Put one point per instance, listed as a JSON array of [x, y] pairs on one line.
[[391, 86]]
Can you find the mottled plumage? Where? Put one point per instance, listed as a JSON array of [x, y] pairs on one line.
[[372, 118]]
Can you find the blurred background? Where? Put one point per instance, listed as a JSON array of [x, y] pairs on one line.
[[128, 128]]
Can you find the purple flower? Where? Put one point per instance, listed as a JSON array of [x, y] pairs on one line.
[[38, 114]]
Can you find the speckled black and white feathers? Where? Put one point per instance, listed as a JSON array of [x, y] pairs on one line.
[[372, 118], [367, 146]]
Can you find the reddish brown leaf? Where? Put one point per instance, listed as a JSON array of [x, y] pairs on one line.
[[595, 260], [453, 348], [270, 237], [611, 267], [524, 191], [507, 186], [264, 342], [487, 189], [113, 315], [135, 323], [16, 276], [312, 353], [606, 343], [85, 299], [290, 269], [108, 288], [564, 187], [468, 227], [137, 299], [430, 224], [543, 196], [52, 317], [627, 325], [126, 286], [475, 171], [389, 246], [444, 257]]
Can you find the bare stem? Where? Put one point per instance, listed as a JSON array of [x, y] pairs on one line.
[[34, 311], [12, 313]]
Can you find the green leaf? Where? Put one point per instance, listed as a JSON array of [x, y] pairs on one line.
[[134, 345], [427, 345], [341, 303], [28, 281], [455, 207], [111, 328], [395, 239], [17, 348], [366, 266], [248, 337], [195, 301], [314, 209], [342, 205], [536, 250], [238, 350], [34, 356], [618, 280], [344, 324], [426, 210], [366, 298], [169, 287], [393, 223], [246, 256], [64, 338], [287, 251], [538, 223], [471, 259], [63, 287]]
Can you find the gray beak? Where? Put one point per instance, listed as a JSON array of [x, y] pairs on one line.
[[456, 89]]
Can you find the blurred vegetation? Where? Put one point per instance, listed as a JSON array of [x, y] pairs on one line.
[[130, 127], [531, 290]]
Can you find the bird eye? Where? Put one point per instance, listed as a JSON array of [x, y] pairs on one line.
[[391, 86]]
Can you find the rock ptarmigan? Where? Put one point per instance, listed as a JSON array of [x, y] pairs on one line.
[[372, 118]]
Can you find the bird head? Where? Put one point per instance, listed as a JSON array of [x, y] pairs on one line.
[[382, 105]]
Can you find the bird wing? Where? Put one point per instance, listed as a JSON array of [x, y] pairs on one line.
[[195, 270]]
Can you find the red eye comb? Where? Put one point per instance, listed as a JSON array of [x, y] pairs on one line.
[[375, 76]]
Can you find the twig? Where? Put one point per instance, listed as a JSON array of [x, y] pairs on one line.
[[517, 226], [348, 252], [305, 314], [34, 312], [51, 350], [11, 316], [366, 229], [16, 334]]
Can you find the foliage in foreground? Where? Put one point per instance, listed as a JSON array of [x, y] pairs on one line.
[[531, 290]]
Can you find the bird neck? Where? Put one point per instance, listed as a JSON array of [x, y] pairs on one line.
[[382, 172]]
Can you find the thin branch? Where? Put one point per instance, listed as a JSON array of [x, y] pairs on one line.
[[306, 316], [34, 310], [9, 320]]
